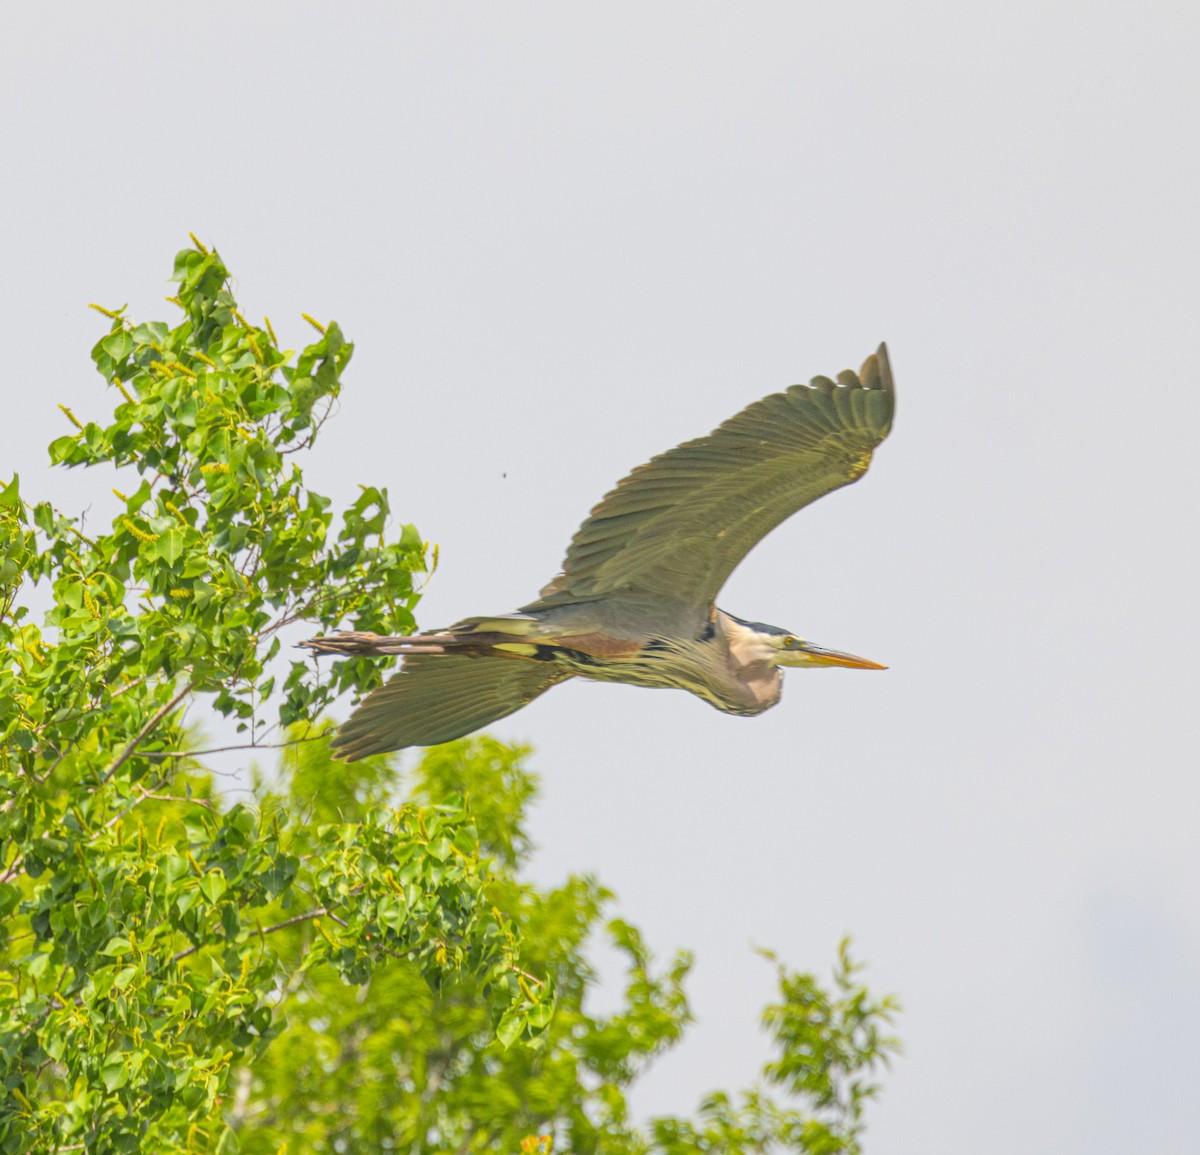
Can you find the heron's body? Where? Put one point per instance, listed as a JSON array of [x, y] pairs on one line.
[[721, 662], [634, 603]]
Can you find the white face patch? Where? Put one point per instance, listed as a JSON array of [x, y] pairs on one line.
[[748, 646]]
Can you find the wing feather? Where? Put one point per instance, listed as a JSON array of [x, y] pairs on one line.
[[437, 697], [679, 525]]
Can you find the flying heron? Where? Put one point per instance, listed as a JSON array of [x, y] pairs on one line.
[[635, 600]]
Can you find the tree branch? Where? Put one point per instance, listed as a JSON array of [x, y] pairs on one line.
[[127, 753], [320, 912]]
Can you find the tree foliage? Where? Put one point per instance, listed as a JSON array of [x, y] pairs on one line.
[[351, 962]]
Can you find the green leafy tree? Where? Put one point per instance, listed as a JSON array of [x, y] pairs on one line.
[[347, 964], [400, 1065]]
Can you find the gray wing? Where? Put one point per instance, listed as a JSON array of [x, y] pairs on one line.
[[437, 697], [678, 526]]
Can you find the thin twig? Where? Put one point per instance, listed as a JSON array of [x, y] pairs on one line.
[[14, 868], [93, 704], [41, 779], [175, 798], [225, 749], [145, 793], [310, 607], [320, 912], [127, 753], [525, 974]]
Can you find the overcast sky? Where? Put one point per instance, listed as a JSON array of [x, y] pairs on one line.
[[566, 237]]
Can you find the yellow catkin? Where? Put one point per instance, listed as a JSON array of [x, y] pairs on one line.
[[173, 301], [254, 346], [90, 605], [203, 357], [71, 417], [270, 331], [124, 392], [241, 320], [106, 312], [119, 494], [314, 323], [180, 593], [196, 242], [183, 369], [140, 534], [173, 508], [215, 467]]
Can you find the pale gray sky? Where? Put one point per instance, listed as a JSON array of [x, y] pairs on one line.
[[565, 237]]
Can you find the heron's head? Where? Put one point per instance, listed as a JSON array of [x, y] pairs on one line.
[[758, 642], [793, 651]]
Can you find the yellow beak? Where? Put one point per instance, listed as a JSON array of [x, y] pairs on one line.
[[820, 656]]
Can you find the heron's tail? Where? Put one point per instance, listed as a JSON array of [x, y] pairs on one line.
[[438, 697]]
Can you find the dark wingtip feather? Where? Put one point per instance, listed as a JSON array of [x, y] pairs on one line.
[[876, 376], [876, 372]]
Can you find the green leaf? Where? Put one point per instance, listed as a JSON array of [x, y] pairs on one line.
[[10, 895], [115, 1073], [213, 885], [118, 345], [510, 1027], [65, 450], [10, 495]]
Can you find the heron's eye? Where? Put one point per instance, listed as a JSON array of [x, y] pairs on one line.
[[789, 640]]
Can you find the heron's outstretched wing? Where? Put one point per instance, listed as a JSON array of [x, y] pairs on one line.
[[678, 526], [437, 697]]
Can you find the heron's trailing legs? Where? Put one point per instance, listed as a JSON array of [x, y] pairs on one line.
[[352, 644], [474, 638]]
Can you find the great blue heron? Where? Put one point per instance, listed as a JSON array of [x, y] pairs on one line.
[[634, 602]]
